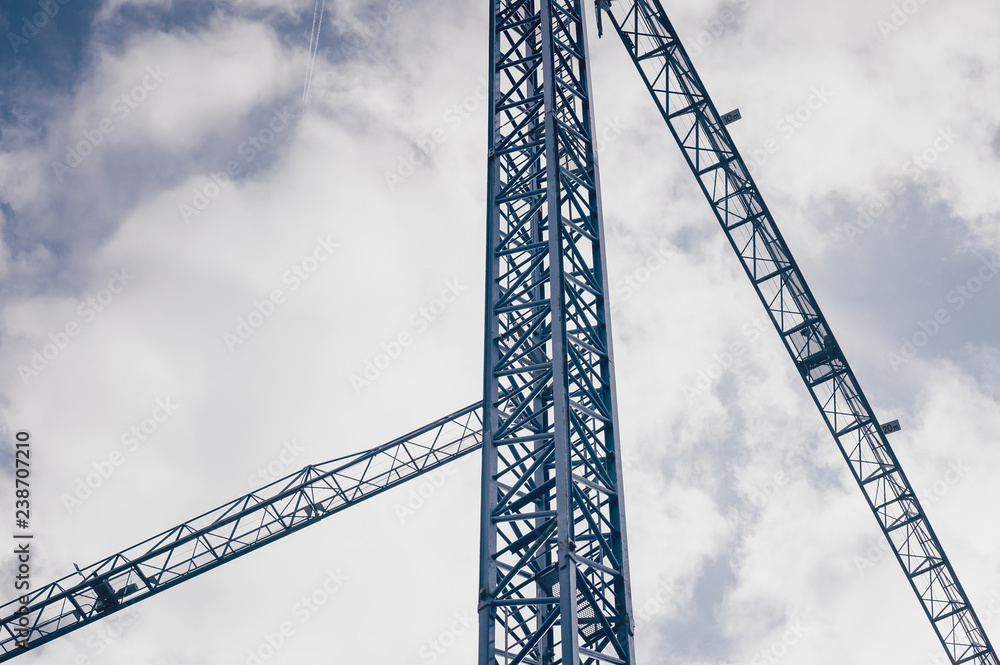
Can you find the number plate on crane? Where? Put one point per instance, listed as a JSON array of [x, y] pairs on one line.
[[731, 117]]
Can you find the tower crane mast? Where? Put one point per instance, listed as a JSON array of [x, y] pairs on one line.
[[554, 575]]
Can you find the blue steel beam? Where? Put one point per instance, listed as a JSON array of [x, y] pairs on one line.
[[725, 180], [554, 577], [232, 530]]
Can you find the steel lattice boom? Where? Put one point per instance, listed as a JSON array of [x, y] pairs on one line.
[[234, 529], [726, 182], [554, 578]]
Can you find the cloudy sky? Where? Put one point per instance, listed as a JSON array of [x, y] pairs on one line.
[[174, 171]]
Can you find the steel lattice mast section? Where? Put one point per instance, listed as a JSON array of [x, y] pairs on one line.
[[726, 182], [554, 579]]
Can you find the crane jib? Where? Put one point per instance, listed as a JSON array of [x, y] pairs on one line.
[[230, 531], [725, 180]]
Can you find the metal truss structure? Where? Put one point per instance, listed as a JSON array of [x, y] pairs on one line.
[[725, 180], [554, 577], [234, 529]]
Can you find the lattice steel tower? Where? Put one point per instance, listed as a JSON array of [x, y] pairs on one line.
[[554, 582]]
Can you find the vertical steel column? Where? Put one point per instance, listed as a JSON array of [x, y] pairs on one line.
[[554, 580]]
